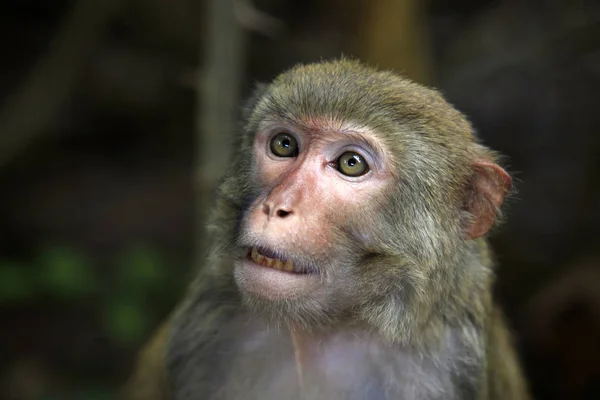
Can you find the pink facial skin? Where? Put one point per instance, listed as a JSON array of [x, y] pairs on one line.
[[303, 197]]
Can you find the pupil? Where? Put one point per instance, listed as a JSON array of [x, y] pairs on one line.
[[352, 162], [285, 142]]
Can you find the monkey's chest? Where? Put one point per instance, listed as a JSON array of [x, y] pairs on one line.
[[275, 364], [251, 360]]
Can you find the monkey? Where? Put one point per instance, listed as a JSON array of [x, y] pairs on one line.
[[348, 254]]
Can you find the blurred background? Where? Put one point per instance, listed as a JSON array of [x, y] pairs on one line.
[[113, 123]]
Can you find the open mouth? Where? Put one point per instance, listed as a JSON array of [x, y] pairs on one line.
[[275, 275], [270, 259]]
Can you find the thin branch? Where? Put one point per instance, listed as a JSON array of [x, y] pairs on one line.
[[255, 20], [28, 112]]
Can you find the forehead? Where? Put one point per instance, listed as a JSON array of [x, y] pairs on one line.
[[310, 93], [348, 93]]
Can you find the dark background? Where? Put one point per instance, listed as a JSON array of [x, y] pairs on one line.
[[112, 123]]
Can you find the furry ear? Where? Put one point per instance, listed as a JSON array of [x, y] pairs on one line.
[[489, 186]]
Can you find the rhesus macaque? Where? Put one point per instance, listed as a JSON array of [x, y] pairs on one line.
[[348, 256]]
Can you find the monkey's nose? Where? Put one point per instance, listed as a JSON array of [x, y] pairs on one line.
[[276, 211]]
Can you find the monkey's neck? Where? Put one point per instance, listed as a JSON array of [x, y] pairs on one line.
[[314, 350]]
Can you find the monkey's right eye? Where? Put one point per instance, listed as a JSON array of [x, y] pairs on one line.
[[284, 145]]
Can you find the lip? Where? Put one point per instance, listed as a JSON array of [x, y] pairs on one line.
[[274, 283]]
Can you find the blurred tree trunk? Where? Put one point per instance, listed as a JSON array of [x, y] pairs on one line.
[[394, 36], [223, 67]]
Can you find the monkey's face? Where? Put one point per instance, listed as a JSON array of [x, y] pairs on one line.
[[356, 192], [315, 180]]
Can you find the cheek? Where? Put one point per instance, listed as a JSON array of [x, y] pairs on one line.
[[328, 202], [267, 172], [350, 202], [361, 215]]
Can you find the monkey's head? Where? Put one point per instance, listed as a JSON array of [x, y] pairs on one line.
[[360, 192]]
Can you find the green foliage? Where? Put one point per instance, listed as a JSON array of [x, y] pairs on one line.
[[127, 293], [65, 273], [15, 285], [126, 319], [140, 272], [140, 269]]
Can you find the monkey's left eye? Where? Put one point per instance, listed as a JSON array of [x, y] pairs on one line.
[[352, 164], [284, 145]]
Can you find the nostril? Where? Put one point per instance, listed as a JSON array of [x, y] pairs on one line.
[[266, 209], [282, 213]]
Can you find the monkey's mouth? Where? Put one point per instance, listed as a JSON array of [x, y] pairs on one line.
[[270, 259], [275, 275]]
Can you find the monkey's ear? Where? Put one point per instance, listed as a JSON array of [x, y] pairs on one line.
[[489, 187]]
